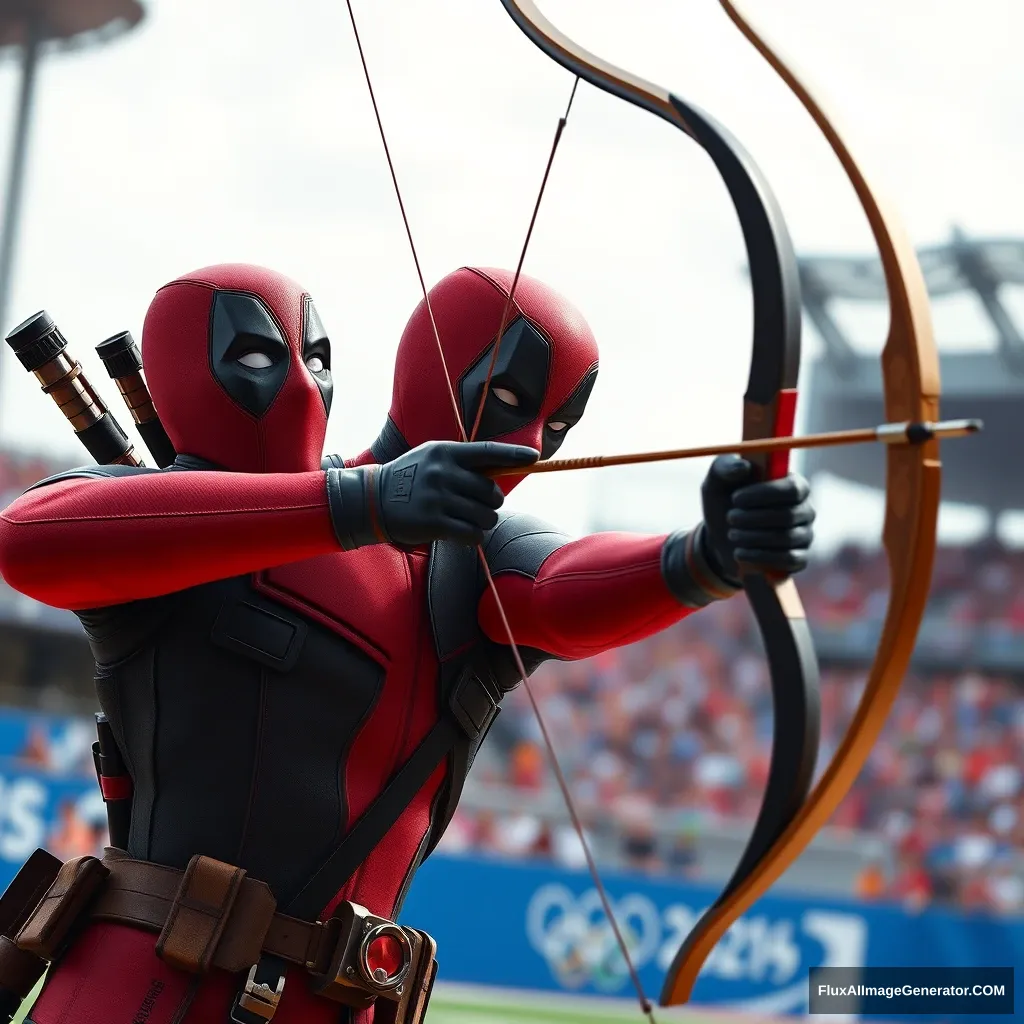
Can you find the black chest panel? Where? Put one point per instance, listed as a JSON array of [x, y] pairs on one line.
[[234, 715], [455, 584]]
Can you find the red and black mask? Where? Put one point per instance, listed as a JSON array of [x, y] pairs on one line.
[[239, 366], [542, 378]]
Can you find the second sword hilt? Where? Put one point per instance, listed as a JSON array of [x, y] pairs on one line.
[[123, 361]]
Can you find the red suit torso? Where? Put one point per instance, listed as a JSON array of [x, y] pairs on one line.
[[264, 686]]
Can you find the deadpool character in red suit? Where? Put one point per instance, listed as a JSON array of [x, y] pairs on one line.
[[299, 657]]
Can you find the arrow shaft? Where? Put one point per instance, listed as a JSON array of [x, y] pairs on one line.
[[887, 433]]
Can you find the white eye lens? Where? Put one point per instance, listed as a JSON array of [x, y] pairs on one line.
[[506, 396], [557, 425], [315, 364], [256, 360]]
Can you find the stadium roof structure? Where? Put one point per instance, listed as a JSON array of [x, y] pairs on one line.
[[66, 24], [844, 388]]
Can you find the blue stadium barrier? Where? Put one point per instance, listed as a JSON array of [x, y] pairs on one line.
[[31, 807], [536, 927]]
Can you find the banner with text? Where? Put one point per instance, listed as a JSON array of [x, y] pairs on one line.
[[537, 927]]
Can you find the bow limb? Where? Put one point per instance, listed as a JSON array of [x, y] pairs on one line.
[[768, 411], [910, 370]]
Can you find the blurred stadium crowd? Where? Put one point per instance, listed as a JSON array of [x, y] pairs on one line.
[[679, 727]]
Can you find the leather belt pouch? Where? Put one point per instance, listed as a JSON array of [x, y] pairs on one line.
[[199, 914], [50, 926]]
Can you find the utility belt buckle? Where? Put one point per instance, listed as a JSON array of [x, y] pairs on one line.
[[258, 1000], [375, 962]]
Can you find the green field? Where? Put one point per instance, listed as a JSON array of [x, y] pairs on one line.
[[453, 1004], [464, 1005]]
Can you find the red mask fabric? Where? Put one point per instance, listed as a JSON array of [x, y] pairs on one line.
[[542, 379], [238, 364]]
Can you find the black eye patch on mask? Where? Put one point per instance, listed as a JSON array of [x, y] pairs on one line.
[[524, 357], [570, 413], [240, 324], [316, 343]]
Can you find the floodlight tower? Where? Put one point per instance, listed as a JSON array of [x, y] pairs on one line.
[[28, 29]]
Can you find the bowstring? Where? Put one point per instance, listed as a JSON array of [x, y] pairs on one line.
[[503, 322], [563, 785]]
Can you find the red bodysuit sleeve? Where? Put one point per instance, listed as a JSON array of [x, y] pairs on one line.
[[88, 542], [587, 596]]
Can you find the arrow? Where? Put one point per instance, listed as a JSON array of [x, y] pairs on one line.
[[887, 433]]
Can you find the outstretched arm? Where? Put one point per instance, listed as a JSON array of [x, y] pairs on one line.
[[106, 535], [576, 598], [94, 540]]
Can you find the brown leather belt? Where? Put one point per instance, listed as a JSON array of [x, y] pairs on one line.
[[142, 895], [212, 915]]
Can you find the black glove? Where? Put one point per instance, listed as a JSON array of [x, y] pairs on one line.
[[766, 525], [438, 491]]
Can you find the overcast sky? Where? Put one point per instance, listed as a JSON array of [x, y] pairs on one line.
[[228, 130]]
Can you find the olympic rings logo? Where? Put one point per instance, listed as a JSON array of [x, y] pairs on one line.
[[763, 953], [574, 937]]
